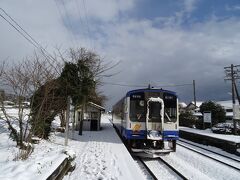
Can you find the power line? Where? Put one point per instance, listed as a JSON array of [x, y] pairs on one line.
[[126, 85], [175, 85], [87, 22], [69, 23], [81, 19], [158, 86], [30, 39]]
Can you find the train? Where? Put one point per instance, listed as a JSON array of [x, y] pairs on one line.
[[147, 120]]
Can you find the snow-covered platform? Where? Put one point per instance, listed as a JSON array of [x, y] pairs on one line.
[[229, 143], [101, 155]]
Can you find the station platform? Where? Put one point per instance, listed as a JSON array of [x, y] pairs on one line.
[[102, 155]]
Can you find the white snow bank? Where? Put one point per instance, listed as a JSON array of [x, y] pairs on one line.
[[45, 158]]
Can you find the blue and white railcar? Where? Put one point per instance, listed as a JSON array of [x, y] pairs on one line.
[[148, 120]]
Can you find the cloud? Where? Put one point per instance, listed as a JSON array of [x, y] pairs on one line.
[[104, 10], [189, 5], [174, 55], [233, 8], [40, 19], [159, 51]]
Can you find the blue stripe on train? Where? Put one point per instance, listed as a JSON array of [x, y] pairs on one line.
[[129, 134], [167, 135], [170, 135]]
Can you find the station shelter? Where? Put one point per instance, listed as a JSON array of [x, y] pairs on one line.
[[91, 117]]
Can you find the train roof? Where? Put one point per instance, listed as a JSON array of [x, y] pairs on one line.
[[149, 90]]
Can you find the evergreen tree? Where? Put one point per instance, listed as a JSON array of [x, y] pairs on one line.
[[218, 112]]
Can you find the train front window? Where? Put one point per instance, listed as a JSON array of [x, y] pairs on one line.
[[170, 108], [137, 110], [170, 115], [154, 112]]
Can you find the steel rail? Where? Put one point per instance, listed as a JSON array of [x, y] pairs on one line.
[[173, 169], [236, 160], [148, 169], [238, 169]]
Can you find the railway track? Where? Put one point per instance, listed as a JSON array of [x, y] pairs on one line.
[[211, 157], [173, 169], [200, 147], [148, 169], [155, 173]]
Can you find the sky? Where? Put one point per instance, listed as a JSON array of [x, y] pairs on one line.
[[159, 42]]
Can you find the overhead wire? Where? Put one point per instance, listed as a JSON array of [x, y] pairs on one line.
[[79, 13], [87, 23], [126, 85], [29, 40], [174, 85], [27, 36], [134, 85], [68, 21]]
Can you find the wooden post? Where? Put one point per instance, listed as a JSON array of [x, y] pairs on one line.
[[67, 121]]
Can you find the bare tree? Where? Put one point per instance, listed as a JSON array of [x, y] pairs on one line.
[[22, 79], [39, 79]]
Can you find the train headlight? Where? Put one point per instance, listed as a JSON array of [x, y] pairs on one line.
[[168, 144], [141, 103]]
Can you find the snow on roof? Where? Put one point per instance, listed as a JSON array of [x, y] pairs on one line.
[[8, 102], [96, 106], [197, 114], [226, 104], [198, 103], [229, 114], [182, 104]]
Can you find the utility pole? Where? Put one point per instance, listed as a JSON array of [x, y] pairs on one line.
[[194, 94], [149, 86], [67, 121], [232, 73]]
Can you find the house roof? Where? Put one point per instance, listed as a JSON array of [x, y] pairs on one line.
[[182, 104], [226, 104], [198, 104]]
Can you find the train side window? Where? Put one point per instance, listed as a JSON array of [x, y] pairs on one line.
[[125, 106], [170, 115]]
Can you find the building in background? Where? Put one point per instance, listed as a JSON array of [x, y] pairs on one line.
[[227, 105]]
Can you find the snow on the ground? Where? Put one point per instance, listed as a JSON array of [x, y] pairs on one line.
[[160, 170], [196, 166], [45, 158], [212, 148], [213, 155], [101, 155], [208, 132]]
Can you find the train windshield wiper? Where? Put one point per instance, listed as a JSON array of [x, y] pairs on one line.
[[168, 117]]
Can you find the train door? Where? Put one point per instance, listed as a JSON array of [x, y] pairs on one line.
[[170, 114], [155, 118]]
